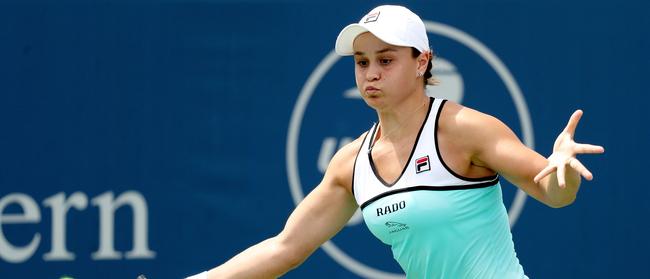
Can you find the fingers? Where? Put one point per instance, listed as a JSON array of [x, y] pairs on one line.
[[573, 122], [560, 170], [581, 169], [546, 171], [561, 180], [582, 148]]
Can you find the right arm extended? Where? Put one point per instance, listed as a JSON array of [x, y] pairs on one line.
[[316, 219]]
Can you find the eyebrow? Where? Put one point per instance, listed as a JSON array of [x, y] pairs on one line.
[[378, 52]]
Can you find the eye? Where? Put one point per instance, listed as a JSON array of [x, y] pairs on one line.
[[362, 63], [385, 61]]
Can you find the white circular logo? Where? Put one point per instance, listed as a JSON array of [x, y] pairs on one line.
[[452, 88]]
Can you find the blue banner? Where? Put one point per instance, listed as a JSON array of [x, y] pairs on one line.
[[164, 137]]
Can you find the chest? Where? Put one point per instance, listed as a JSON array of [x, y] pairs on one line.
[[390, 158], [433, 214]]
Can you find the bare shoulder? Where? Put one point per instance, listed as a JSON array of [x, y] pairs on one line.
[[471, 130], [341, 166], [457, 116], [468, 123]]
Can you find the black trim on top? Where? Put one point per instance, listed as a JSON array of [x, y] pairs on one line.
[[417, 139], [354, 167], [442, 161], [430, 188]]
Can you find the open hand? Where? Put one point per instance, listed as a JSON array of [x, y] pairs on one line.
[[564, 153]]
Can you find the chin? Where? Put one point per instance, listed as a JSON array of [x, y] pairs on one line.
[[375, 102]]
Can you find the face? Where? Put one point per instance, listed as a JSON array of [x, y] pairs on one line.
[[385, 74]]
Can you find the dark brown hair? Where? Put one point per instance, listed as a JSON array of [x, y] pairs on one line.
[[429, 79]]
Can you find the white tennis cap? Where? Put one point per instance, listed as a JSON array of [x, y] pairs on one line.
[[395, 25]]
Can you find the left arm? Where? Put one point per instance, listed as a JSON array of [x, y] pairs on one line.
[[554, 181]]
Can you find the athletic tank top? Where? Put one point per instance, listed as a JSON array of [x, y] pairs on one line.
[[437, 223]]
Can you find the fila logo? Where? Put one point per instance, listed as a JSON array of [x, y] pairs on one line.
[[422, 164], [372, 17]]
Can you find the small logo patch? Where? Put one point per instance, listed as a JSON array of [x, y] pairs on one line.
[[422, 164], [372, 17], [394, 227]]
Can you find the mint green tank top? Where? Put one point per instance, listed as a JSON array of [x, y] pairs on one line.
[[437, 223]]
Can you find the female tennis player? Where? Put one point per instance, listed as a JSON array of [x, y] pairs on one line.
[[426, 176]]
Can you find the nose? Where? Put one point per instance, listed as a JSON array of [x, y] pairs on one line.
[[373, 73]]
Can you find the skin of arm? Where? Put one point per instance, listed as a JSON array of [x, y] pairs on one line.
[[321, 215], [492, 145]]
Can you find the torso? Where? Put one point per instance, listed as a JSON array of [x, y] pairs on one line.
[[440, 222], [390, 157]]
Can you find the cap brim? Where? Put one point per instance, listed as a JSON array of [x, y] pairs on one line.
[[345, 40]]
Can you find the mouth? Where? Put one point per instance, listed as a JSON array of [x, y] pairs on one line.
[[371, 90]]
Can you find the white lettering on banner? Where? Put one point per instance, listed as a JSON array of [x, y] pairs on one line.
[[60, 206], [60, 209], [30, 214], [107, 206], [327, 150]]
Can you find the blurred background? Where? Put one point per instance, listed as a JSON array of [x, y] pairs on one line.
[[163, 137]]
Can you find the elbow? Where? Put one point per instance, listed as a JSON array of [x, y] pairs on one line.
[[291, 255], [293, 259]]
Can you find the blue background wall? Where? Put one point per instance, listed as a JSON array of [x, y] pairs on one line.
[[189, 103]]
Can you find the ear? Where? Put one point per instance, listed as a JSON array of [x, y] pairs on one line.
[[423, 61]]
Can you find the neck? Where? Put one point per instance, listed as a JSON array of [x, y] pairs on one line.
[[398, 120]]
